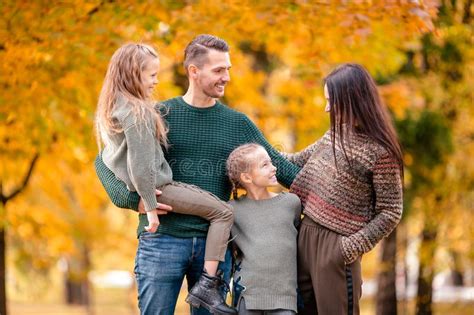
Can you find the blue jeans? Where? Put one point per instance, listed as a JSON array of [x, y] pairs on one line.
[[161, 264]]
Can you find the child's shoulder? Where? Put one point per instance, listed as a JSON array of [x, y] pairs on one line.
[[292, 198], [238, 201], [122, 106], [290, 195], [124, 114], [293, 204]]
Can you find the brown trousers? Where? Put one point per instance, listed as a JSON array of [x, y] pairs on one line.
[[328, 286], [190, 199]]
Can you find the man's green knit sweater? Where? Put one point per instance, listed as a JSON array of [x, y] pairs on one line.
[[200, 140]]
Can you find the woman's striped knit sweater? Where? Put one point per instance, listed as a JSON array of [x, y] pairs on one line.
[[363, 203]]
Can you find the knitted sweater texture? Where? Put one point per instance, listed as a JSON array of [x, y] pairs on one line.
[[265, 234], [363, 203], [200, 140], [135, 155]]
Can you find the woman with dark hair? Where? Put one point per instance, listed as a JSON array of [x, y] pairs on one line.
[[351, 191]]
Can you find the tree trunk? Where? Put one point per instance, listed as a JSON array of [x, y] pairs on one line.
[[76, 284], [4, 199], [457, 276], [3, 291], [424, 297], [403, 235], [76, 289], [386, 298]]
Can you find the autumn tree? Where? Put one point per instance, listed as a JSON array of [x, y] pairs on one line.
[[436, 84], [54, 57]]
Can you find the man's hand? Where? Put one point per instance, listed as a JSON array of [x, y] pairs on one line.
[[161, 209]]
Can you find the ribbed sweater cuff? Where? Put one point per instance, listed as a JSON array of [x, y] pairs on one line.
[[270, 302], [350, 250], [149, 201]]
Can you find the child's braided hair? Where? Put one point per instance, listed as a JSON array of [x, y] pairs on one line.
[[238, 162]]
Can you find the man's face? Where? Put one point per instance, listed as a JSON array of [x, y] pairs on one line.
[[212, 77]]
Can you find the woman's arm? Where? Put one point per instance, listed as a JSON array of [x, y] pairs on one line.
[[388, 190], [300, 158]]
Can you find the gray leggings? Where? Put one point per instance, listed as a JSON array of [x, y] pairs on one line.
[[244, 311]]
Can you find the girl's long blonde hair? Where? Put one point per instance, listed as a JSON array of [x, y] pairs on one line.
[[124, 79]]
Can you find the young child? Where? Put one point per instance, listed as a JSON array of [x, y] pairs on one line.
[[265, 235], [134, 133]]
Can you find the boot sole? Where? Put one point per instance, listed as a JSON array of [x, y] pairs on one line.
[[197, 302]]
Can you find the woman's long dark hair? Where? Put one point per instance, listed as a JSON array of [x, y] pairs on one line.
[[356, 106]]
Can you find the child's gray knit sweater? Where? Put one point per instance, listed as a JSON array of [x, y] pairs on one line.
[[266, 235], [135, 155]]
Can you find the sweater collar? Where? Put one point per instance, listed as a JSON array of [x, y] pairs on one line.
[[209, 109], [272, 200]]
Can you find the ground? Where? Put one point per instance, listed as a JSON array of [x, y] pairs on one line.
[[123, 302]]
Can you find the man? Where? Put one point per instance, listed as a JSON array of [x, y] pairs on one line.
[[202, 133]]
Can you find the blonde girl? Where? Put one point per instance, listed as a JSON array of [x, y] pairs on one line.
[[133, 132], [265, 235]]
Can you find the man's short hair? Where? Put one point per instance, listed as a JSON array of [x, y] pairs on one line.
[[197, 50]]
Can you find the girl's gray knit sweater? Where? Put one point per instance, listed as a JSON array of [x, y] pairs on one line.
[[135, 155], [266, 235]]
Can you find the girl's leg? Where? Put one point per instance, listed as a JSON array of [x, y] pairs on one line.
[[189, 199], [211, 266], [195, 271]]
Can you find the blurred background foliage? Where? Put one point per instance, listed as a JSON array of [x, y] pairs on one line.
[[56, 223]]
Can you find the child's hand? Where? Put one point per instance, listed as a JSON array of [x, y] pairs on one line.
[[153, 221]]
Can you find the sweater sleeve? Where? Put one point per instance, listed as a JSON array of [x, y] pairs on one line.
[[300, 158], [388, 194], [141, 146], [286, 171], [115, 188]]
